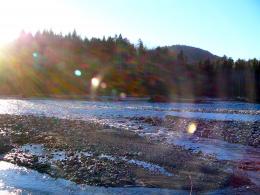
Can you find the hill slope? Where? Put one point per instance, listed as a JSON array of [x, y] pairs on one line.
[[193, 54]]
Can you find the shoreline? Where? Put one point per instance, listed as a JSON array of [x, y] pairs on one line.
[[74, 136], [128, 98]]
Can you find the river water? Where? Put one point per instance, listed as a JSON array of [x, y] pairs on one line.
[[86, 109], [116, 114]]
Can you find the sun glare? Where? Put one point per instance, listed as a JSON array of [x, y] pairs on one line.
[[6, 37], [29, 16]]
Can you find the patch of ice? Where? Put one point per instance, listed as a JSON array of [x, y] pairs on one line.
[[221, 149], [148, 166], [19, 180], [88, 154], [254, 177], [60, 155], [107, 157], [151, 167], [34, 149], [45, 155]]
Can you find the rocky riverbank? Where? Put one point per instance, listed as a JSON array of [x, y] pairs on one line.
[[246, 133], [94, 154]]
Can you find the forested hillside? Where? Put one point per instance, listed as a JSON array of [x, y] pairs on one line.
[[47, 64], [192, 54]]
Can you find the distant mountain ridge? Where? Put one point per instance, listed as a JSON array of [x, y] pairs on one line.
[[193, 54]]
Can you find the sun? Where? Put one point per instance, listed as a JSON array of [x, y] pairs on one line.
[[6, 37], [31, 16], [10, 21]]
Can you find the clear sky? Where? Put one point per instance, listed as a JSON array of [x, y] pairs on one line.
[[230, 27]]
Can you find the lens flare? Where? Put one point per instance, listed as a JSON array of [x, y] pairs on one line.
[[192, 127], [122, 95], [35, 54], [103, 85], [95, 82], [77, 73]]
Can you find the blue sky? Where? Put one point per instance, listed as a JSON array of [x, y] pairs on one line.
[[230, 27]]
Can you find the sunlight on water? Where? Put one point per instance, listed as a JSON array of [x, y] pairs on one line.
[[9, 106], [5, 166]]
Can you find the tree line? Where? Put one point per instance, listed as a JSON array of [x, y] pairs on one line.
[[47, 64]]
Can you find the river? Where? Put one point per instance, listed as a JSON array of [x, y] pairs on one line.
[[117, 114]]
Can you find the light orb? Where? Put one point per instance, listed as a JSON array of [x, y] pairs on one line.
[[192, 127], [77, 73], [95, 82]]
